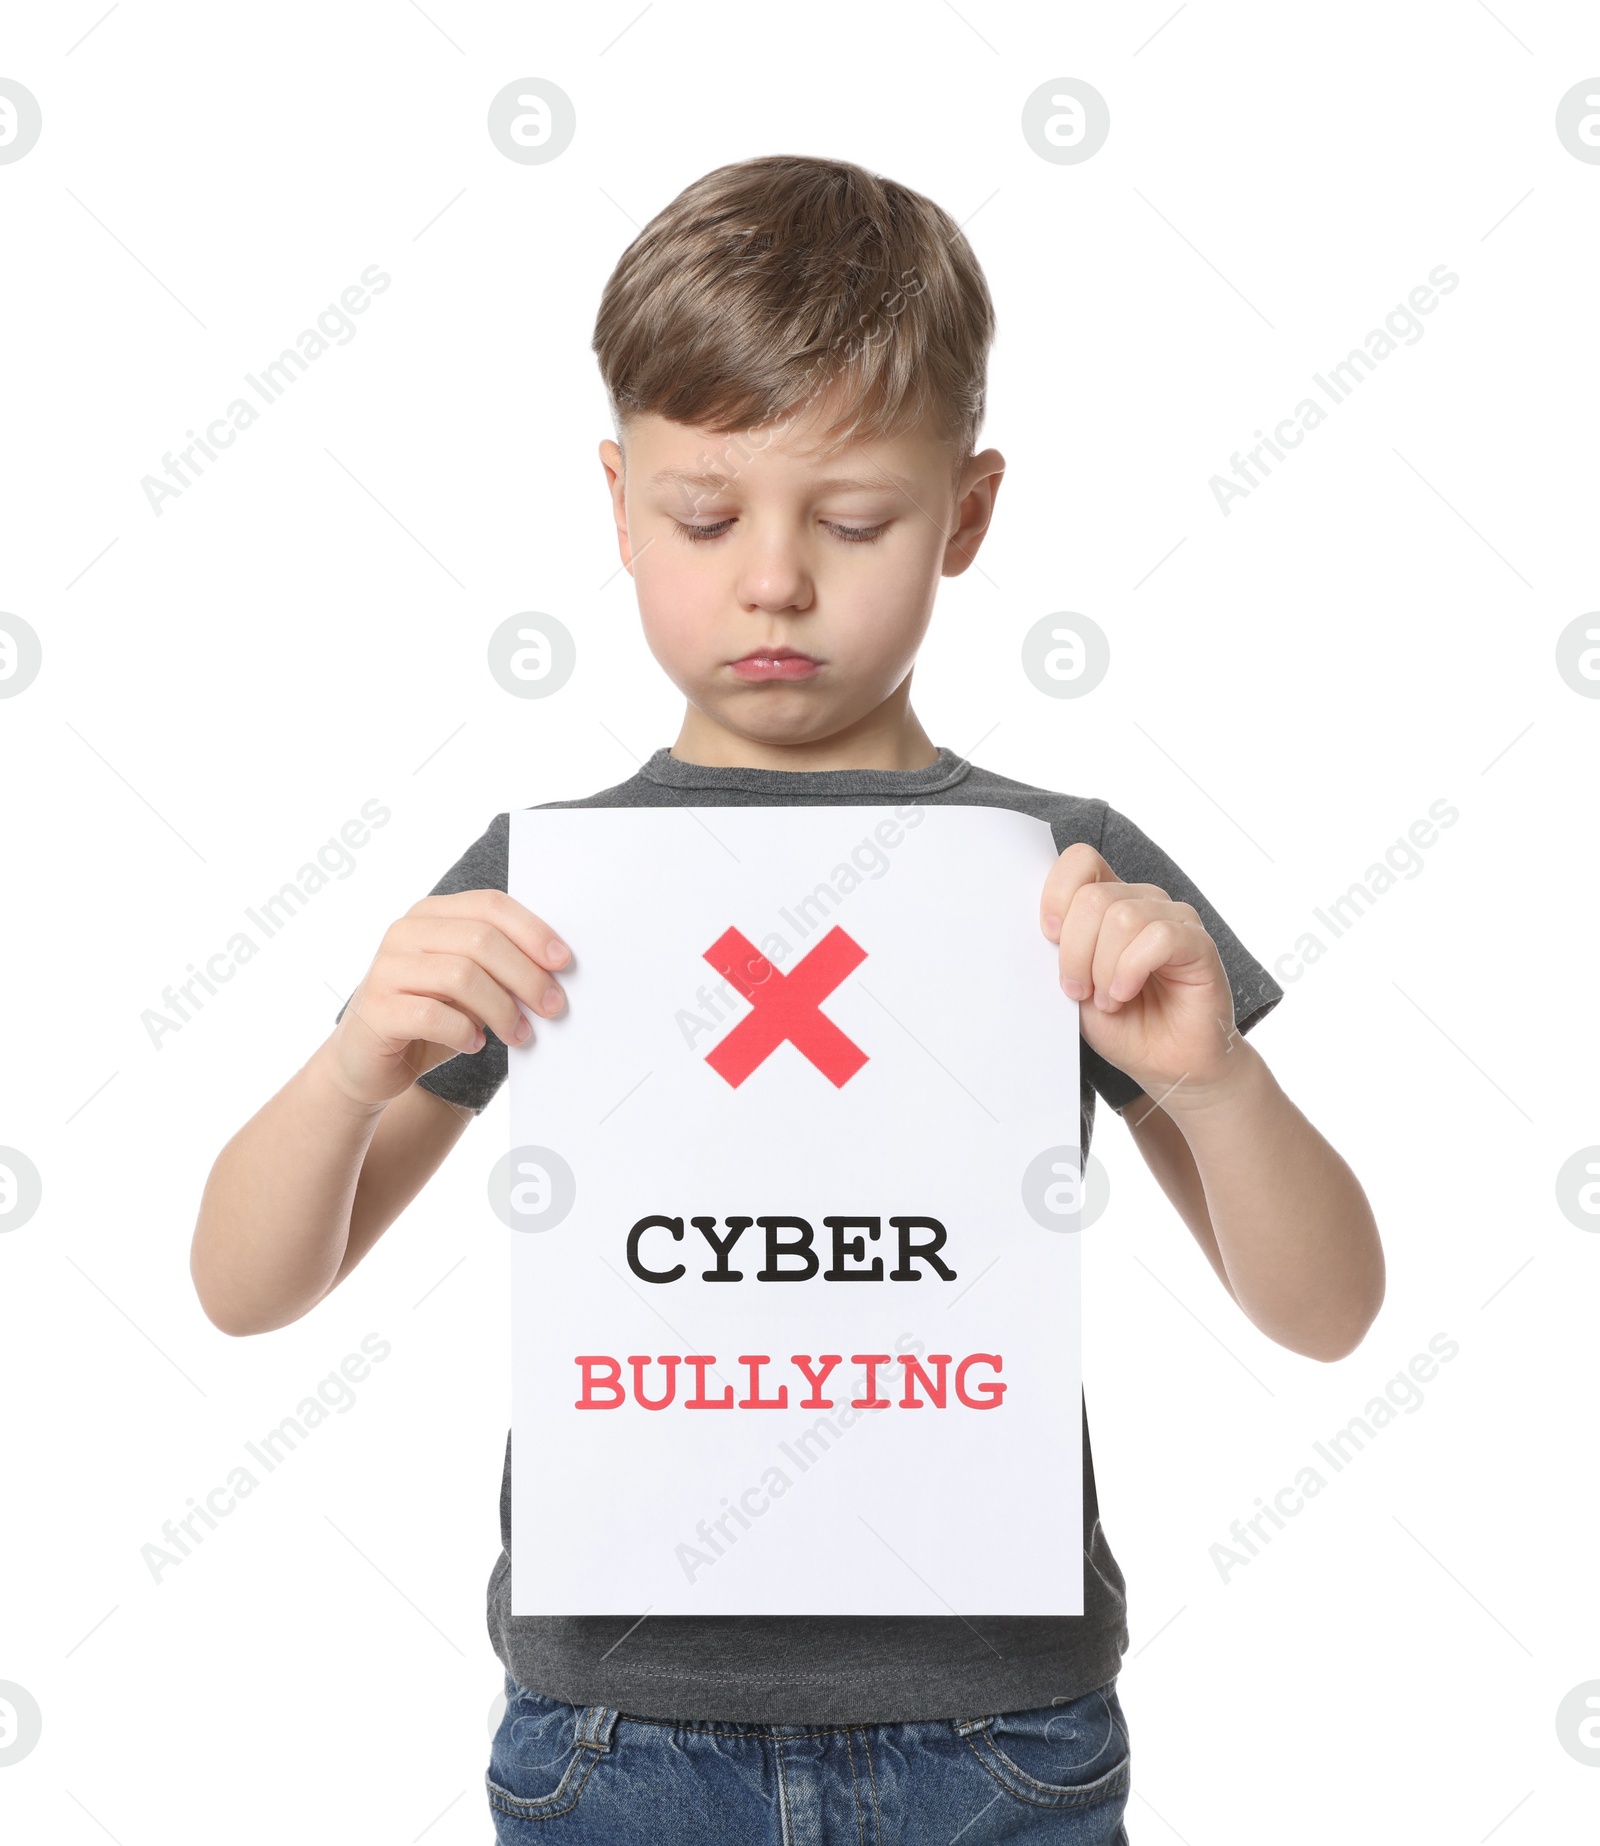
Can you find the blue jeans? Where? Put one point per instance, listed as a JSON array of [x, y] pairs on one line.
[[587, 1773]]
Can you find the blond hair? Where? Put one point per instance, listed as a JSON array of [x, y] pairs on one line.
[[766, 282]]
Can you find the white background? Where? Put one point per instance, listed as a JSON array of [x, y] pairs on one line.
[[1291, 687]]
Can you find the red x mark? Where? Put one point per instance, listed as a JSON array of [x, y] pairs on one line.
[[786, 1006]]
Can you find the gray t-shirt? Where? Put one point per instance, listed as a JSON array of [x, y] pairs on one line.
[[798, 1669]]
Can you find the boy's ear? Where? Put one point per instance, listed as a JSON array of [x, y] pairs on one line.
[[611, 462], [980, 483]]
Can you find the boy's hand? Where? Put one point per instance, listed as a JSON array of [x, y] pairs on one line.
[[447, 968], [1154, 996]]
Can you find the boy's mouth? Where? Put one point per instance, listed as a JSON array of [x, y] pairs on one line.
[[775, 663]]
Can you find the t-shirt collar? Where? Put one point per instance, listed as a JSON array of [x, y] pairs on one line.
[[673, 772]]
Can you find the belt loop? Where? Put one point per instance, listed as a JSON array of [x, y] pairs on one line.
[[966, 1726], [595, 1725]]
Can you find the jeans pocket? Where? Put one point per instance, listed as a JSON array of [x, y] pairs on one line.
[[1073, 1754], [544, 1755]]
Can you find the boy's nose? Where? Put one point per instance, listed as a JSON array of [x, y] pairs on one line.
[[779, 589], [773, 574]]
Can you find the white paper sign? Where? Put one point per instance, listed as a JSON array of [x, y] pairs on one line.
[[793, 1188]]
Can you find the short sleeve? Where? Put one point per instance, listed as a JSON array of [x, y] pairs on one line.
[[471, 1078], [1137, 859]]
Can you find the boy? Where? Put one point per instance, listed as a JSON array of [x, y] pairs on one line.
[[794, 351]]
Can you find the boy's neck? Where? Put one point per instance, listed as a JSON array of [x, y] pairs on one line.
[[884, 739]]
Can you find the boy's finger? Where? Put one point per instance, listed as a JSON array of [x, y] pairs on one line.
[[462, 982], [529, 932], [402, 1017], [1097, 929], [1143, 938], [487, 945], [1079, 865]]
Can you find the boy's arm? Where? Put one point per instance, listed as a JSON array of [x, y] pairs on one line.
[[312, 1180], [1282, 1218], [1160, 1140], [1293, 1232], [417, 1130], [1298, 1247], [304, 1190]]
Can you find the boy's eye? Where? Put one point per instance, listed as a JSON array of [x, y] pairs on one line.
[[852, 535]]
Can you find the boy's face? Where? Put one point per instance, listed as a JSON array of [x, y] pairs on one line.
[[751, 541]]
